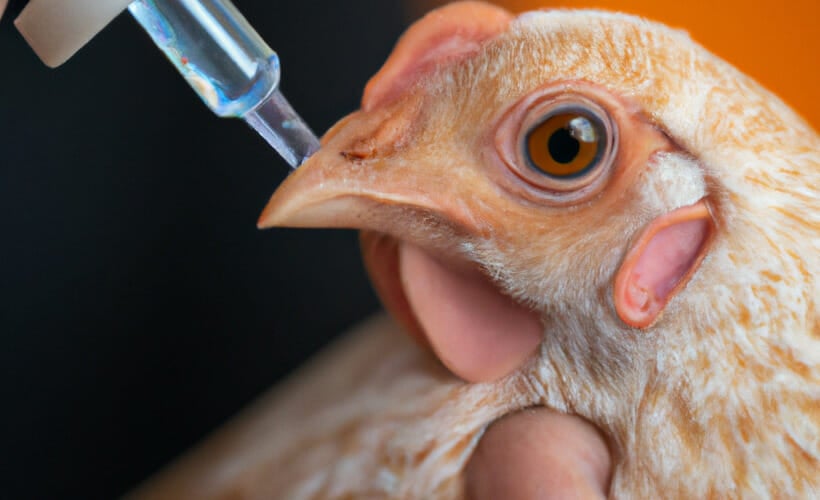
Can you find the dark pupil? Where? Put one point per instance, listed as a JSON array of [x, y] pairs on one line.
[[563, 147]]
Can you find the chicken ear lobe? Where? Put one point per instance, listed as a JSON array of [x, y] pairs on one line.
[[661, 262], [442, 36]]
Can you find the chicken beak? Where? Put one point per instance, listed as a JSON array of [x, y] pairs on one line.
[[371, 173], [380, 166], [397, 174]]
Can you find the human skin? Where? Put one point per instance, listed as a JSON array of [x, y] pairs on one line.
[[533, 452], [536, 453], [539, 454]]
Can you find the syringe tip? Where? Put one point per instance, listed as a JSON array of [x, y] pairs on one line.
[[278, 123]]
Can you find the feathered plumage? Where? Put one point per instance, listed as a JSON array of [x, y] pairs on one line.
[[709, 389]]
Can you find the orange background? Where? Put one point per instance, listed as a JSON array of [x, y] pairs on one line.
[[777, 43]]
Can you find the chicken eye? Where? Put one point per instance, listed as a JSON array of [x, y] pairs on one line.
[[559, 144], [566, 144]]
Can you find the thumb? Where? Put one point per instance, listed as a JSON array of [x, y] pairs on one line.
[[539, 454]]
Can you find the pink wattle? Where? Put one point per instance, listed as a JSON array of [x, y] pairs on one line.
[[477, 332]]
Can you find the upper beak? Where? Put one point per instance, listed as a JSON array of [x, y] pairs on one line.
[[374, 171]]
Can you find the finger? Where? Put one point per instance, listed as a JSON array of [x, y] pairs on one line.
[[539, 454]]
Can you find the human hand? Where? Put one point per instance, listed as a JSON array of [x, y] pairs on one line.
[[536, 453], [539, 453]]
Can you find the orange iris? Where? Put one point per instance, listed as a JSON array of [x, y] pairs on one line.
[[563, 145]]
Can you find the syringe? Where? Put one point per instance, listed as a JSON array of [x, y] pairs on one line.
[[209, 42], [229, 65]]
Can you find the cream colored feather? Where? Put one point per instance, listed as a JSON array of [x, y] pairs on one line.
[[719, 398]]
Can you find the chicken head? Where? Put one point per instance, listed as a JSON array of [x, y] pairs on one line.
[[646, 211]]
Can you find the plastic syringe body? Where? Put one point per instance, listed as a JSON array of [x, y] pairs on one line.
[[229, 66]]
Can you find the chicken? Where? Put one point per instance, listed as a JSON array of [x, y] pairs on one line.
[[656, 209]]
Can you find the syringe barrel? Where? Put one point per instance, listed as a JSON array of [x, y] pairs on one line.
[[220, 55]]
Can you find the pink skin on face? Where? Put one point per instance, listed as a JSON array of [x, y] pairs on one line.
[[478, 333]]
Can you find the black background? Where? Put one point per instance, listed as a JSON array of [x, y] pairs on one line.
[[139, 305]]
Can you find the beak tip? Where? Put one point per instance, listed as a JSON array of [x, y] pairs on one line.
[[268, 218]]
